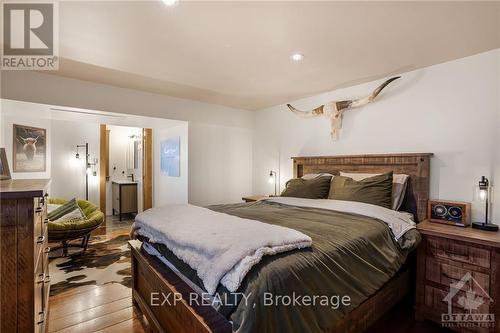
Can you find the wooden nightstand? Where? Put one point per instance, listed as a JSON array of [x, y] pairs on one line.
[[467, 258], [252, 198]]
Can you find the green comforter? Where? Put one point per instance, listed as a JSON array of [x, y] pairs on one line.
[[351, 258]]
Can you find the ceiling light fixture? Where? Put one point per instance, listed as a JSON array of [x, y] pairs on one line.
[[170, 3], [297, 56]]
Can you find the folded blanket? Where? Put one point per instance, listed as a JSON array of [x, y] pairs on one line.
[[221, 248]]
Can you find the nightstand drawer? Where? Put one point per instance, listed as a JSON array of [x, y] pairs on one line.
[[436, 299], [445, 274], [459, 252]]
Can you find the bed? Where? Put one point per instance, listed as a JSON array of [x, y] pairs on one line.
[[151, 275]]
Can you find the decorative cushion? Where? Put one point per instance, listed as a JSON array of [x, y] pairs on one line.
[[64, 209], [92, 218], [375, 190], [316, 188], [74, 215]]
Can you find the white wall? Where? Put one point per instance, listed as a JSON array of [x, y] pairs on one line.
[[451, 110], [211, 127], [220, 163], [68, 173], [171, 190]]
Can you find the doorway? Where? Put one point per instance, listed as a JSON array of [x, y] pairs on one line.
[[126, 170]]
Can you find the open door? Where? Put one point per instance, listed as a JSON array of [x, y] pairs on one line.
[[147, 163]]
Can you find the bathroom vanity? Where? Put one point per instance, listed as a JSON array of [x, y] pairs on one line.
[[124, 194]]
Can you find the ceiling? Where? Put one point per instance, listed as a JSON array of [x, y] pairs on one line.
[[238, 53]]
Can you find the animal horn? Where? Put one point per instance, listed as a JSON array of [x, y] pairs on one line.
[[371, 97], [307, 114]]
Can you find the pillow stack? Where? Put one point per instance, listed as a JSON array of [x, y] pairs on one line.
[[386, 190]]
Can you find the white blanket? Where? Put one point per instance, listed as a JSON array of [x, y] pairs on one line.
[[398, 222], [220, 247]]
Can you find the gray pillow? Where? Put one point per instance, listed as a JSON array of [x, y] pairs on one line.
[[316, 188]]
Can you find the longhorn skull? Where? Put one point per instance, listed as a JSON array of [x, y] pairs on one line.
[[29, 146], [334, 110]]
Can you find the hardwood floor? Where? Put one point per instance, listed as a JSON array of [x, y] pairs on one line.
[[97, 308], [108, 308], [105, 308]]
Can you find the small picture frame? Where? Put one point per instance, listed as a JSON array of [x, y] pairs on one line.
[[4, 165]]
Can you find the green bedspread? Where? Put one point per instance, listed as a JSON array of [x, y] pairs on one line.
[[351, 256]]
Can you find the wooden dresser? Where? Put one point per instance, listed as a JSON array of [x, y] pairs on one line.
[[458, 277], [24, 265]]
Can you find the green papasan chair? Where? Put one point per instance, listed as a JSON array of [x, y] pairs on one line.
[[67, 231]]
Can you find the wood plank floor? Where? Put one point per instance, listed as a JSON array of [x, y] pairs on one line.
[[97, 308], [108, 308], [105, 308]]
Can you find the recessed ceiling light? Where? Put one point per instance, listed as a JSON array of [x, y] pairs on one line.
[[170, 3], [297, 56]]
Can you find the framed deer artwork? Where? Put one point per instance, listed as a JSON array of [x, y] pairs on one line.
[[29, 153]]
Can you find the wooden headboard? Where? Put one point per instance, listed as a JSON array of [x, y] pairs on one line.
[[417, 166]]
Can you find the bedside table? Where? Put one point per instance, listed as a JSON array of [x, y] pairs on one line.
[[253, 198], [467, 259]]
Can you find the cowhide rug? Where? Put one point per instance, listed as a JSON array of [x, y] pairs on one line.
[[104, 262]]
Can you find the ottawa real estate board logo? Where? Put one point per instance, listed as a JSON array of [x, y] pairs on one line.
[[468, 305], [30, 36]]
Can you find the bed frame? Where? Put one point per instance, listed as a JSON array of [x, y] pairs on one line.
[[150, 275]]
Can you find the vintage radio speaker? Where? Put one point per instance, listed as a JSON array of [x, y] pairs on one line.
[[449, 212]]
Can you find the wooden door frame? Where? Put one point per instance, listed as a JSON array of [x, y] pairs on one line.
[[103, 166], [147, 167]]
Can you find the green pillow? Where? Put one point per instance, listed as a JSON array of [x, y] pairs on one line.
[[66, 208], [316, 188], [375, 190]]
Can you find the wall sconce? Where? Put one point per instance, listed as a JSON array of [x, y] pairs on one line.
[[273, 179], [484, 195]]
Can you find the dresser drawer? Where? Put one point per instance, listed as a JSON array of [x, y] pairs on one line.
[[436, 299], [40, 321], [446, 274], [40, 245], [38, 224], [38, 294], [458, 252]]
